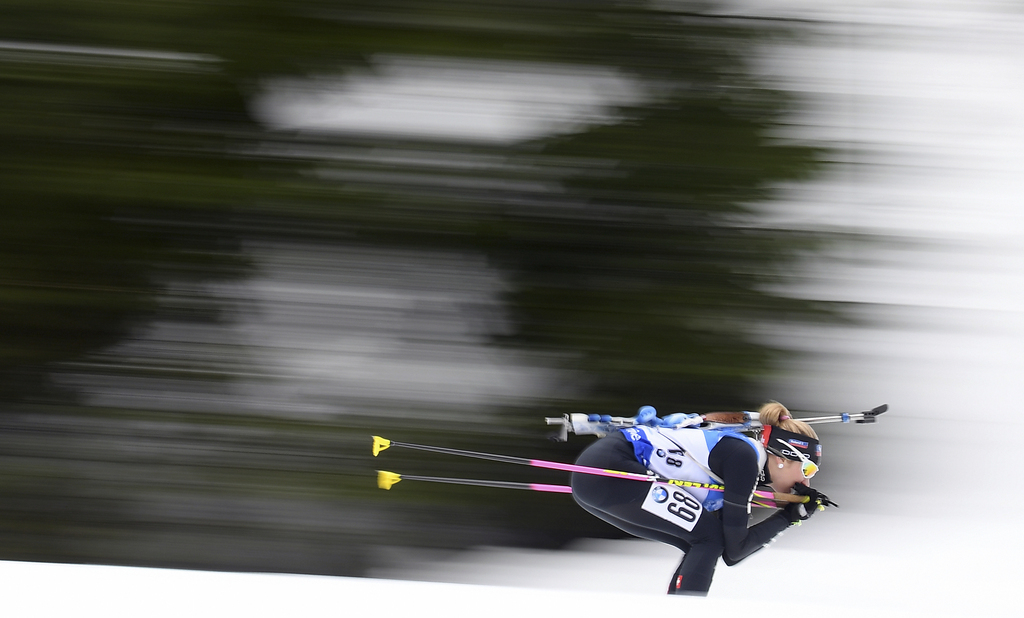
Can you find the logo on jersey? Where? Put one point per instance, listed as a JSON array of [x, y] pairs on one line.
[[659, 494]]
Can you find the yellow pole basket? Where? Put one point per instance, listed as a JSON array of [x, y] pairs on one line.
[[379, 444], [386, 479]]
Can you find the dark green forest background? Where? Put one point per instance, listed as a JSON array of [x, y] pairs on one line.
[[647, 274]]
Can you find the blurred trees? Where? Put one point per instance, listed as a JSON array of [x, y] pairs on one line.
[[130, 157]]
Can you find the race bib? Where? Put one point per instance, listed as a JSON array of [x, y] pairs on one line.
[[673, 504]]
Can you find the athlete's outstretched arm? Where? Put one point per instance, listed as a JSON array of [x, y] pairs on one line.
[[736, 463]]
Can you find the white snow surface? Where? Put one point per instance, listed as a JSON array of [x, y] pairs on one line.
[[615, 578]]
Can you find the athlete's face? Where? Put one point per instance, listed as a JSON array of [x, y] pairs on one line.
[[790, 474]]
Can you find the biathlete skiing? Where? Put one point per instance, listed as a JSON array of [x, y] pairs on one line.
[[705, 525], [687, 480]]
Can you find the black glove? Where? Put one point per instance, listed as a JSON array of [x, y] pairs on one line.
[[798, 511], [817, 499]]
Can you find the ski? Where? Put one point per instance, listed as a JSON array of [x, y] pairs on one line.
[[595, 425]]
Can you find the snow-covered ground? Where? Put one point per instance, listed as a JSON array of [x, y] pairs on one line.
[[600, 579], [570, 584]]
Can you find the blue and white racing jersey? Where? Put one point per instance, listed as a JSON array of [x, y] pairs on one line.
[[682, 454]]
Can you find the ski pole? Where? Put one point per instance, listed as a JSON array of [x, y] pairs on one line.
[[385, 480], [380, 444]]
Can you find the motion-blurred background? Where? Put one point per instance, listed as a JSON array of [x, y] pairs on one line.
[[239, 238]]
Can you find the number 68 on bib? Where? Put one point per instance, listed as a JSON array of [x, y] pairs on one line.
[[673, 504]]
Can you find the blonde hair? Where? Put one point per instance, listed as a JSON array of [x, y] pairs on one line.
[[772, 412]]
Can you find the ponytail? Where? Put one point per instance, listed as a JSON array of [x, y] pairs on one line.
[[775, 414]]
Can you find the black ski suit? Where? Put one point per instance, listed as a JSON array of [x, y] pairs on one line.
[[717, 533]]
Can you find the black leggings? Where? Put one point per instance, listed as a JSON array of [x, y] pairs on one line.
[[618, 502]]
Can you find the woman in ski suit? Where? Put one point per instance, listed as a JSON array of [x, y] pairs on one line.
[[704, 524]]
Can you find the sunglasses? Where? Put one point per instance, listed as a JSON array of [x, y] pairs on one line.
[[807, 467]]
